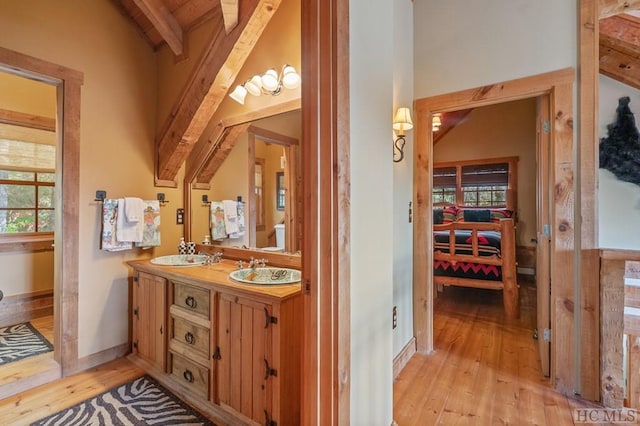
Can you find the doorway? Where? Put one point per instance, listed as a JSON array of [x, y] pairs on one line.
[[557, 88], [65, 325]]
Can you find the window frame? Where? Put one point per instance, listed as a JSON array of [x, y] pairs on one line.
[[511, 192], [37, 184]]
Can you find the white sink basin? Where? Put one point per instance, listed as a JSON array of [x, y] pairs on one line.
[[266, 276], [180, 260]]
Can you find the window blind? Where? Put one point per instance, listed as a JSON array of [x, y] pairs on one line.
[[444, 177], [485, 175]]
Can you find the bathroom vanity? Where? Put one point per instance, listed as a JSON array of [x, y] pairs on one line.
[[232, 350]]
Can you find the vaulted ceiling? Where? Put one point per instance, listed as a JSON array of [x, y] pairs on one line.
[[237, 27], [240, 24]]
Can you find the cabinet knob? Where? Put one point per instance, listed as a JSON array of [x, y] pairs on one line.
[[189, 338], [190, 301], [188, 376]]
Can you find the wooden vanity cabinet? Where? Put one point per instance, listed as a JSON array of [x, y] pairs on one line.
[[234, 354], [149, 301]]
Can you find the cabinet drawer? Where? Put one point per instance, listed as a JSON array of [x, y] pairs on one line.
[[192, 336], [190, 375], [191, 298]]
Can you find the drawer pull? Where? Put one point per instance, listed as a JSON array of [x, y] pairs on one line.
[[188, 376], [190, 301], [189, 338]]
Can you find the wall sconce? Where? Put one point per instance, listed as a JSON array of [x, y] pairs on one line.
[[436, 122], [269, 83], [401, 122]]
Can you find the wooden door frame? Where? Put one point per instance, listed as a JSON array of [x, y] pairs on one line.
[[68, 83], [325, 36], [559, 86], [326, 228]]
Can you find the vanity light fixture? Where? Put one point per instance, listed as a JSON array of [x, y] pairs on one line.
[[268, 83], [401, 122]]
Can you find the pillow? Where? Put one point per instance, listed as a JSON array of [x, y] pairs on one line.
[[473, 215], [497, 214], [449, 214], [438, 216]]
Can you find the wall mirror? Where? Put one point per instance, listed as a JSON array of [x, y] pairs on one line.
[[257, 162]]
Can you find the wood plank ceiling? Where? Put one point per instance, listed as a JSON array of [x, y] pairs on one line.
[[238, 24], [620, 41]]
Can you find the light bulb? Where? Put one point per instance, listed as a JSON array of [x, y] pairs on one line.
[[290, 78], [254, 85], [270, 80]]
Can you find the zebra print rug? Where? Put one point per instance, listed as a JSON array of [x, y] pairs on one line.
[[142, 401], [20, 341]]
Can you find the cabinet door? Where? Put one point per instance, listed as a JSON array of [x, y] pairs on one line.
[[149, 319], [245, 366]]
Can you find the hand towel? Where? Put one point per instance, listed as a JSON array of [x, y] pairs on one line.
[[241, 223], [108, 241], [125, 230], [151, 225], [133, 209], [231, 217], [218, 230]]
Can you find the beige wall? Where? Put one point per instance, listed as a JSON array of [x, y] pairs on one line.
[[502, 130], [26, 272], [117, 135]]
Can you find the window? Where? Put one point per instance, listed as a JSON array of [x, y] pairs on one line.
[[478, 183], [26, 202], [281, 192], [27, 180]]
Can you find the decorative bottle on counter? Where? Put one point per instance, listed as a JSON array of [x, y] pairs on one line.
[[191, 247], [206, 241], [182, 247]]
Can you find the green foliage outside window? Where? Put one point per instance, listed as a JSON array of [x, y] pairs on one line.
[[26, 202]]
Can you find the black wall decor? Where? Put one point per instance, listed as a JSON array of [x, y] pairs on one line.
[[620, 150]]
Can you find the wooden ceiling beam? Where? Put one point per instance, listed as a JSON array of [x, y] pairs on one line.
[[227, 139], [205, 148], [614, 7], [618, 50], [164, 22], [210, 82]]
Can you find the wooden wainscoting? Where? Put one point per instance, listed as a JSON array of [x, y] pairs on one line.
[[25, 307]]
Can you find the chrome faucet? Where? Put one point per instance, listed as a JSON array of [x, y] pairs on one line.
[[212, 258]]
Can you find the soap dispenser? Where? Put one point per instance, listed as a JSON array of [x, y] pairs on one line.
[[182, 247]]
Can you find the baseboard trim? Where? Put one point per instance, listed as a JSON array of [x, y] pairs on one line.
[[403, 357], [25, 307], [98, 358]]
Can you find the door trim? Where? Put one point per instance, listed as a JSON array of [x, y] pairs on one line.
[[68, 83], [559, 86]]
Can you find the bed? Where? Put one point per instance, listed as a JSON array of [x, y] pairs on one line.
[[476, 248]]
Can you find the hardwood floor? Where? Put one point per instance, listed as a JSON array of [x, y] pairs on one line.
[[485, 370], [14, 371], [37, 403]]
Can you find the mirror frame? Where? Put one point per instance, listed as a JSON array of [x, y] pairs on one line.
[[198, 159]]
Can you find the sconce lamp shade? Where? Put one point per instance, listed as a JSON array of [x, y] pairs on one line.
[[238, 94], [436, 122], [254, 85], [402, 120], [290, 78]]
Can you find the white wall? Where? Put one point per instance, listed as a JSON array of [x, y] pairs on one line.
[[371, 104], [403, 177], [618, 201], [461, 44]]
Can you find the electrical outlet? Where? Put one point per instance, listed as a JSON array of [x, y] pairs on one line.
[[395, 317]]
